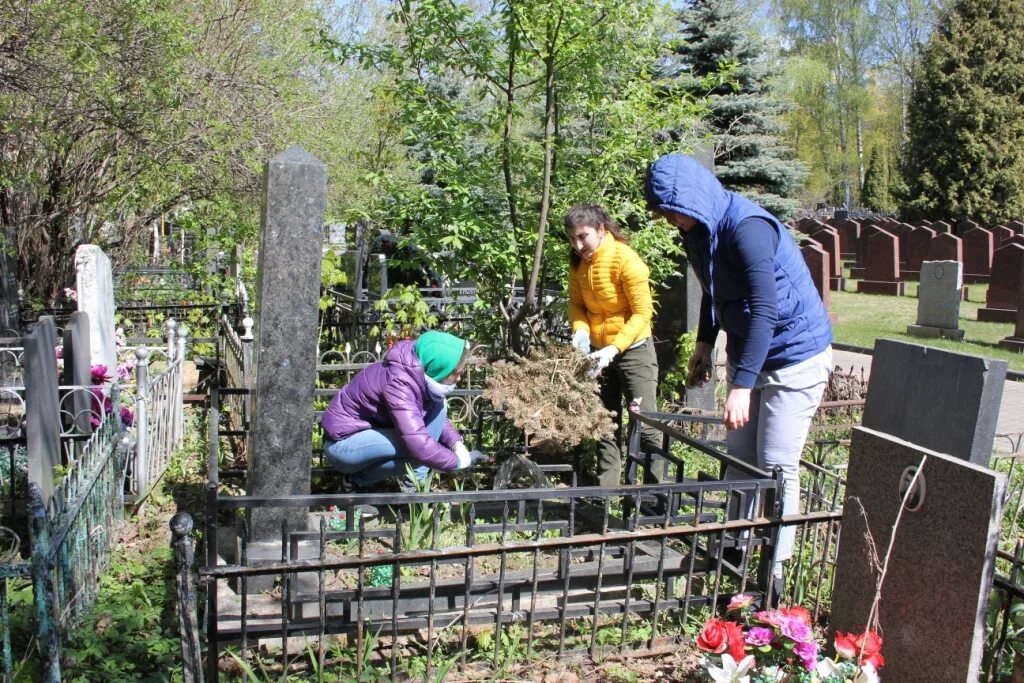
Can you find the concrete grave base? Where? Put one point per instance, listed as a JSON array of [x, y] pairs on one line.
[[997, 315], [1012, 343], [881, 287], [935, 332]]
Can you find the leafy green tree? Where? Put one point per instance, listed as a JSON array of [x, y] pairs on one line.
[[876, 192], [118, 115], [751, 154], [839, 37], [514, 112], [965, 155]]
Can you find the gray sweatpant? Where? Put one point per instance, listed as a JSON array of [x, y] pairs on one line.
[[782, 404]]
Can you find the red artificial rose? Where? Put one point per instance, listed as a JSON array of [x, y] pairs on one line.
[[737, 648], [797, 612], [846, 646], [714, 637], [849, 646]]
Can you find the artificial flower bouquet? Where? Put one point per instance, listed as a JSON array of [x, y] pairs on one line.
[[751, 646]]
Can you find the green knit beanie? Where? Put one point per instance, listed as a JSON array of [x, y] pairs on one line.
[[440, 353]]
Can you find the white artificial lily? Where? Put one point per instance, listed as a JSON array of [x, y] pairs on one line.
[[731, 672], [826, 668], [867, 674]]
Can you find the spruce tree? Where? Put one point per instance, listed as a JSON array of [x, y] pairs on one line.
[[751, 155], [965, 153], [875, 193]]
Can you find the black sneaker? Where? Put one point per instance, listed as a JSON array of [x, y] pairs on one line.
[[346, 485]]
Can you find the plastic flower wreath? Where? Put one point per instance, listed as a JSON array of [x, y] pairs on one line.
[[751, 646]]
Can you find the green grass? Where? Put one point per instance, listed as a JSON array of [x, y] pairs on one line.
[[863, 318]]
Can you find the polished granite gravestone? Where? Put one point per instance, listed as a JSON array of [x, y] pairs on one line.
[[42, 405], [1015, 342], [936, 587], [937, 399], [1003, 284], [77, 372], [288, 285], [938, 301], [882, 270], [96, 297], [979, 245]]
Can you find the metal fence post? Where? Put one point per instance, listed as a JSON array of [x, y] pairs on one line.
[[170, 325], [179, 402], [142, 403], [185, 585], [42, 585], [247, 369]]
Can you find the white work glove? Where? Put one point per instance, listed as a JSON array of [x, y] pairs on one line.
[[581, 341], [466, 457], [601, 358]]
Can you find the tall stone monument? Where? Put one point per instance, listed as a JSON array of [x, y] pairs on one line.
[[96, 297], [288, 282], [939, 572]]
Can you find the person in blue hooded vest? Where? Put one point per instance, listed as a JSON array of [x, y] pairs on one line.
[[757, 288]]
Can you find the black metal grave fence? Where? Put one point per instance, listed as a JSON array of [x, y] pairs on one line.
[[436, 570]]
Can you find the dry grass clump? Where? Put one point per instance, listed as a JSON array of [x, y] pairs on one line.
[[549, 396]]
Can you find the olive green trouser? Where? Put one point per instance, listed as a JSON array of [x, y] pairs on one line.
[[631, 375]]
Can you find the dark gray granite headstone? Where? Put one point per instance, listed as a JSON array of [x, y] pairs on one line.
[[678, 312], [937, 399], [288, 283], [936, 588], [77, 369], [42, 408]]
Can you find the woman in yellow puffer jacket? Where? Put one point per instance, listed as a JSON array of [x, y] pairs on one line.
[[610, 309]]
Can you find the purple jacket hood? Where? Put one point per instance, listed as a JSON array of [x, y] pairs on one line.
[[392, 394]]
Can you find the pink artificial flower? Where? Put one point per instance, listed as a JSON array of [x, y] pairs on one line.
[[59, 350], [99, 374], [127, 416], [794, 629], [71, 294], [770, 617], [759, 636], [739, 601], [124, 371], [808, 654]]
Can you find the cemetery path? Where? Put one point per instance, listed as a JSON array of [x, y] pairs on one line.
[[1009, 426]]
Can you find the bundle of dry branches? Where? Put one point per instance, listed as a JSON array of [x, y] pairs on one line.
[[550, 397]]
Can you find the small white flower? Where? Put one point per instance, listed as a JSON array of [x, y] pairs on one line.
[[731, 672]]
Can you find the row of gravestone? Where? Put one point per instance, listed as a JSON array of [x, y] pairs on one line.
[[882, 272], [880, 268]]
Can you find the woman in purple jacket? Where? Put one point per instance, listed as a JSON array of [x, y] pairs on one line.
[[394, 413]]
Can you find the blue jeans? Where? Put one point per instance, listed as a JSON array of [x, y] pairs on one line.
[[782, 405], [372, 455]]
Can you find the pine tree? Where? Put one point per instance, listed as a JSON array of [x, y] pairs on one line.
[[965, 154], [876, 195], [751, 155]]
